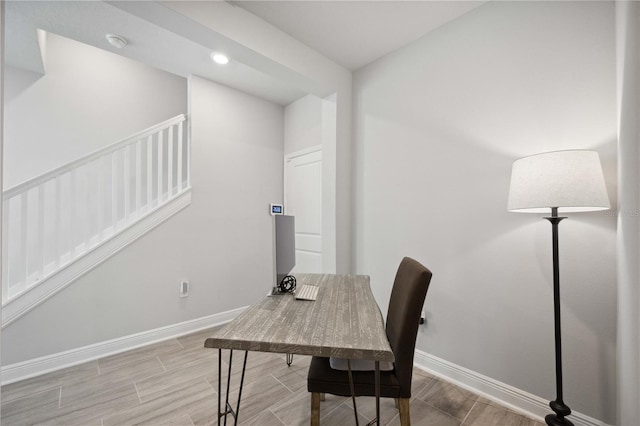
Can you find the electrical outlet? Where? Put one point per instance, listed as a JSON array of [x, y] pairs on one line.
[[184, 288]]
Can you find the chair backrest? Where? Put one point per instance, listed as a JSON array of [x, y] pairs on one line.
[[403, 317]]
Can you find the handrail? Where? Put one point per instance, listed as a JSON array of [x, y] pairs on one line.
[[47, 227], [38, 180]]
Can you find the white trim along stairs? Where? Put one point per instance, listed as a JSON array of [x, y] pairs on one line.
[[65, 276]]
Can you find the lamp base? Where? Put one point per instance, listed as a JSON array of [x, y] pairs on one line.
[[555, 420], [561, 410]]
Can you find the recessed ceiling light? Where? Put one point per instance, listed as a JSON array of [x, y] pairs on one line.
[[220, 58], [116, 41]]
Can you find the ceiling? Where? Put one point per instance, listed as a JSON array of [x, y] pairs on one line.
[[355, 33], [351, 33], [169, 50]]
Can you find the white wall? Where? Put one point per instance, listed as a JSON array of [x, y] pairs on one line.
[[303, 124], [221, 243], [289, 58], [438, 125], [88, 98], [628, 78]]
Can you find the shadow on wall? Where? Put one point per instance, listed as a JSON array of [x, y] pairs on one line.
[[20, 82]]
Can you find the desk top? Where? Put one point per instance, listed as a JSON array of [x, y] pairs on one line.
[[344, 321]]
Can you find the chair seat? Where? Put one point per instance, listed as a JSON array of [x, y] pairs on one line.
[[324, 379], [403, 316]]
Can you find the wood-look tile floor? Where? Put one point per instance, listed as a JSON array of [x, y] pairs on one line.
[[174, 383]]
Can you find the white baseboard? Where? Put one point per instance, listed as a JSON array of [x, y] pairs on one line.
[[509, 396], [36, 367], [14, 309]]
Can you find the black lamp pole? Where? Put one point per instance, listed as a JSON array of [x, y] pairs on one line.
[[558, 406]]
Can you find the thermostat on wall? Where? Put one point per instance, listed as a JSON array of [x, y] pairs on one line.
[[276, 209]]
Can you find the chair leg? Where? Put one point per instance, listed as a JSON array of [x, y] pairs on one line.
[[403, 407], [323, 396], [397, 403], [315, 409]]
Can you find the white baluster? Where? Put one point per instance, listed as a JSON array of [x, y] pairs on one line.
[[188, 159], [82, 207], [6, 229], [100, 203], [57, 224], [114, 191], [170, 162], [138, 206], [179, 165], [24, 264], [93, 193], [72, 213], [160, 167], [126, 183], [149, 163], [41, 242]]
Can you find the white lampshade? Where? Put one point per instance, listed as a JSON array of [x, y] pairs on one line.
[[572, 181]]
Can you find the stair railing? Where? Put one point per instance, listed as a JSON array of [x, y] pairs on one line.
[[53, 219]]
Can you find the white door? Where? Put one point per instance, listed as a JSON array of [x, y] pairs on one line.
[[303, 199]]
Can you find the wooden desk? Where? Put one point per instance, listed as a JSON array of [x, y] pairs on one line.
[[345, 322]]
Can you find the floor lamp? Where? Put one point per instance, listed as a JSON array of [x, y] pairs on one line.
[[566, 182]]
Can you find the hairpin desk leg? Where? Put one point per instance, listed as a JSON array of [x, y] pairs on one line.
[[289, 359], [376, 421], [219, 383], [353, 392], [378, 393], [227, 407]]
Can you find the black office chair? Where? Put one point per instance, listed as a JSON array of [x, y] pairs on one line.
[[403, 317]]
